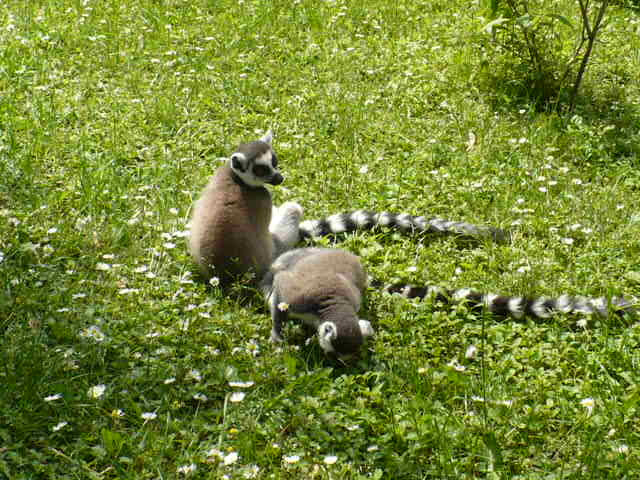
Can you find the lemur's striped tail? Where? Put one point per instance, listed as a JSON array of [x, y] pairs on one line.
[[367, 220], [518, 307]]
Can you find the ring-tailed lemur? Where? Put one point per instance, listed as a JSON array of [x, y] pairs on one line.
[[367, 220], [517, 307], [322, 287], [232, 229]]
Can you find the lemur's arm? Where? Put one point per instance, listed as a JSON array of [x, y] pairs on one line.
[[279, 315]]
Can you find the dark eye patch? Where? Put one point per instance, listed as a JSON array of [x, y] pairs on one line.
[[274, 160], [261, 171]]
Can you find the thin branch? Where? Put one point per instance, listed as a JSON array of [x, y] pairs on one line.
[[584, 10], [592, 39], [575, 55], [529, 37]]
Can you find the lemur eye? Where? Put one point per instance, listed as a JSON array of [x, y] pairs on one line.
[[261, 171], [274, 161]]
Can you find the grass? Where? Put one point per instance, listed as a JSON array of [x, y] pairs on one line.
[[114, 114]]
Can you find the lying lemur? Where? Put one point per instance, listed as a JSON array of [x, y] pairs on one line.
[[323, 287]]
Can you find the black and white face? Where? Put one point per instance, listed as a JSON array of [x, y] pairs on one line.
[[346, 341], [327, 333], [256, 163]]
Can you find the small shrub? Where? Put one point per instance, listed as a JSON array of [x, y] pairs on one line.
[[546, 49]]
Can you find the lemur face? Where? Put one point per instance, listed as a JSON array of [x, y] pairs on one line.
[[343, 340], [256, 163]]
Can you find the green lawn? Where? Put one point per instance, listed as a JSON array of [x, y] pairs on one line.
[[115, 362]]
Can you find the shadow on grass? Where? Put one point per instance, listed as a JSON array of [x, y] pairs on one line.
[[602, 129]]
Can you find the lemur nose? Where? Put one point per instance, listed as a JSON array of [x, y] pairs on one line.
[[277, 179]]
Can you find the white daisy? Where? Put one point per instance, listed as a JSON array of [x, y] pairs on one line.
[[215, 453], [93, 332], [59, 426], [624, 449], [330, 459], [283, 306], [588, 403], [96, 391], [187, 469], [251, 471], [241, 384], [236, 397], [230, 458], [146, 416], [126, 291]]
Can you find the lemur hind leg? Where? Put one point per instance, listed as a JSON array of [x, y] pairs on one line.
[[285, 226]]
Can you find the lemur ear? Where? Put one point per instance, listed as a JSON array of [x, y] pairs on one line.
[[365, 328], [268, 137], [239, 162]]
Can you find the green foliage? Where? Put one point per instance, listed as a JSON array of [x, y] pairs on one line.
[[116, 363], [546, 46]]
